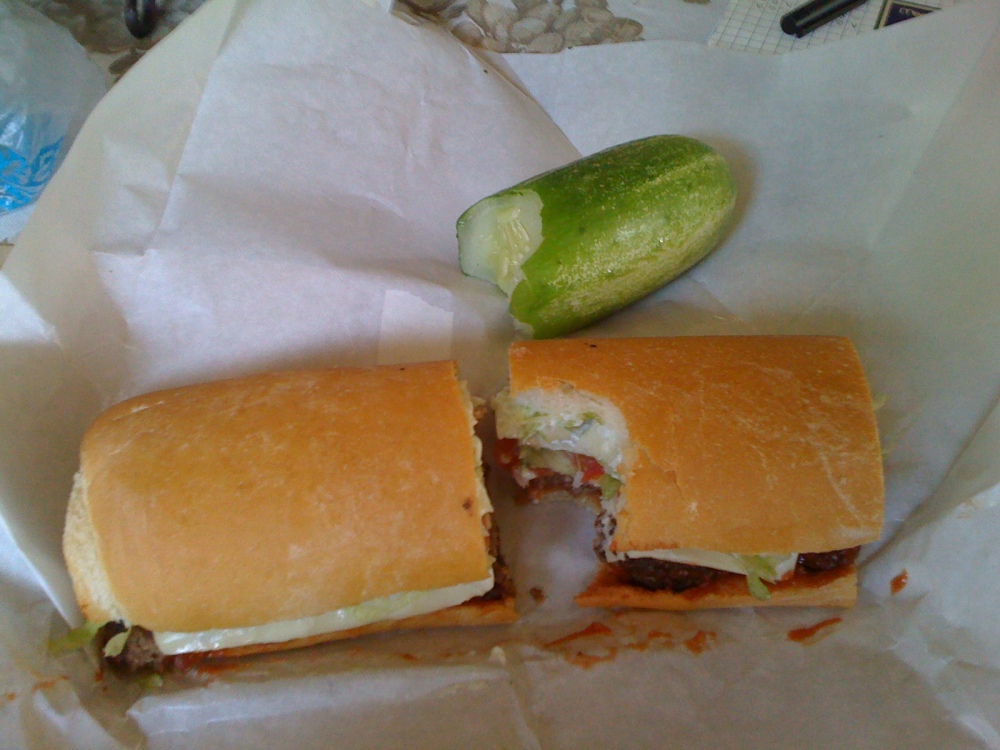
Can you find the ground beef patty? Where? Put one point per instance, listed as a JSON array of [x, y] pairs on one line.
[[140, 654], [657, 575], [821, 562]]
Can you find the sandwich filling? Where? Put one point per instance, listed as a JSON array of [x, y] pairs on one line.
[[395, 607], [134, 649], [580, 451]]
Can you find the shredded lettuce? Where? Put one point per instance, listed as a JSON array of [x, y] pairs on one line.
[[76, 638], [538, 425], [150, 681], [538, 458], [758, 568], [116, 644], [562, 462], [609, 486]]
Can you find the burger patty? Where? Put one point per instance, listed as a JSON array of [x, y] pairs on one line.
[[140, 653], [657, 575], [821, 562]]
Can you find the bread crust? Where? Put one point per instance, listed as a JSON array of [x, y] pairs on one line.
[[742, 444], [277, 497], [836, 588]]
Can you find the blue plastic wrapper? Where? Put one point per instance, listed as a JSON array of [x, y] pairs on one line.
[[48, 86]]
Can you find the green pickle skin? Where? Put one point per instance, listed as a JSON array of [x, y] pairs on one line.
[[618, 225]]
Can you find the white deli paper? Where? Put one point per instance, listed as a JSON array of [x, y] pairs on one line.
[[276, 185]]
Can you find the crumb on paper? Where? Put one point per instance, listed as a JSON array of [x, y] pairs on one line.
[[497, 655], [800, 635], [537, 594], [898, 583]]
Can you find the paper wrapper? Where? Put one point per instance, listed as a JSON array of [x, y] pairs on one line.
[[276, 184]]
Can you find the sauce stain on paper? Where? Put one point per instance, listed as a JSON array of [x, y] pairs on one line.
[[46, 684], [595, 628], [700, 641], [899, 582], [586, 661], [605, 643], [804, 634]]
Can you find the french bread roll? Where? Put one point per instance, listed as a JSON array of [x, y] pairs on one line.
[[744, 446], [284, 509]]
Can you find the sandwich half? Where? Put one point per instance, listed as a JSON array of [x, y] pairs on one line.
[[726, 471], [282, 510]]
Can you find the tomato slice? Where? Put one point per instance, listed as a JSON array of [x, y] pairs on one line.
[[590, 466], [507, 452]]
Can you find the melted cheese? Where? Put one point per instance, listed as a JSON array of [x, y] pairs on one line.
[[395, 607], [783, 564]]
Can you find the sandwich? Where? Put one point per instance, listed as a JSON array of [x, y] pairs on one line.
[[282, 510], [725, 471]]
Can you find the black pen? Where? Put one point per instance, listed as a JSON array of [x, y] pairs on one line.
[[814, 14]]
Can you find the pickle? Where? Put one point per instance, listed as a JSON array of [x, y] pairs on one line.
[[574, 245]]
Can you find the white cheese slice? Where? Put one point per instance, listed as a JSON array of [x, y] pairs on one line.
[[732, 563], [395, 607]]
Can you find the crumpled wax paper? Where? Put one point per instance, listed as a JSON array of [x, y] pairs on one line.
[[276, 185]]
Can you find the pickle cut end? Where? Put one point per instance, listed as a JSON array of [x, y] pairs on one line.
[[498, 234]]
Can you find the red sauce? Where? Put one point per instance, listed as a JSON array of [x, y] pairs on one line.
[[46, 684], [899, 582], [700, 641], [586, 661], [803, 634], [215, 667], [203, 663], [506, 452], [408, 657], [595, 628]]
